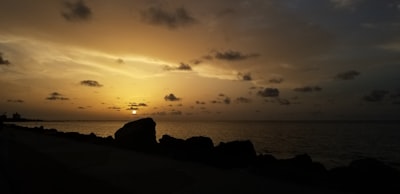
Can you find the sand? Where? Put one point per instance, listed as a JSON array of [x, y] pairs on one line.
[[36, 163]]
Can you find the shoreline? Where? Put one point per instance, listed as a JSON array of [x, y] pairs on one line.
[[263, 167]]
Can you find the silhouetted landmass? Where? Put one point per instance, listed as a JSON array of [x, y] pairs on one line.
[[16, 117], [366, 175]]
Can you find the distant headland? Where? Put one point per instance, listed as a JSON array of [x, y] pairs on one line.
[[16, 117]]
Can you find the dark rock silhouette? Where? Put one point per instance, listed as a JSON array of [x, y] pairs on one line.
[[195, 148], [367, 175], [234, 154], [172, 146], [139, 135]]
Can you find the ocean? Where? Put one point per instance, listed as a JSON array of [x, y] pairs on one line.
[[331, 143]]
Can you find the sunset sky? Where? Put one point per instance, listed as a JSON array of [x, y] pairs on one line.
[[184, 59]]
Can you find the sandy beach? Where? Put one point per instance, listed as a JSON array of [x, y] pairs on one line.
[[35, 163]]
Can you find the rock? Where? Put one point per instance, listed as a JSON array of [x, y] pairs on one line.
[[194, 148], [139, 135], [366, 175], [234, 154], [199, 148], [172, 146]]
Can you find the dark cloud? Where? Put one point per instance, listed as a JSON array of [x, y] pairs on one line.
[[245, 76], [226, 12], [91, 83], [200, 102], [120, 61], [157, 15], [116, 108], [181, 67], [376, 96], [242, 100], [174, 112], [269, 92], [231, 55], [276, 80], [227, 100], [348, 75], [221, 95], [3, 61], [15, 101], [56, 96], [283, 101], [135, 106], [142, 104], [77, 11], [308, 89], [171, 97]]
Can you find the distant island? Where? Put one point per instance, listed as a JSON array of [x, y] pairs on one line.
[[16, 117]]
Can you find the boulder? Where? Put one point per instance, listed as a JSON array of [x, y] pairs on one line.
[[139, 135], [199, 148], [234, 154], [171, 145]]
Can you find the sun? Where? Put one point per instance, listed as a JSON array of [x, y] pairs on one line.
[[134, 112]]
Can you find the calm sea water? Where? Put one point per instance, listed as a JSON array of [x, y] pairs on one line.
[[332, 143]]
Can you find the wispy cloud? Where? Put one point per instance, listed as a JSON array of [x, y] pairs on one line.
[[3, 61], [242, 100], [276, 80], [269, 92], [56, 96], [171, 97], [348, 75], [15, 101], [157, 15], [231, 55], [308, 89], [91, 83], [76, 11], [181, 67], [245, 76], [376, 96]]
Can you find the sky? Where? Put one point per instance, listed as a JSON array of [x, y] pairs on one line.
[[195, 60]]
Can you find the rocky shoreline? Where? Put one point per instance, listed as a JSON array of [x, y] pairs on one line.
[[366, 175]]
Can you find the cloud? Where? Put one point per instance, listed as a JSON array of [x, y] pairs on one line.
[[77, 11], [227, 100], [276, 80], [171, 97], [269, 92], [242, 100], [174, 112], [283, 101], [344, 3], [15, 101], [156, 15], [200, 102], [245, 76], [308, 89], [56, 96], [135, 106], [376, 96], [91, 83], [181, 67], [3, 61], [120, 61], [231, 55], [348, 75], [116, 108]]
